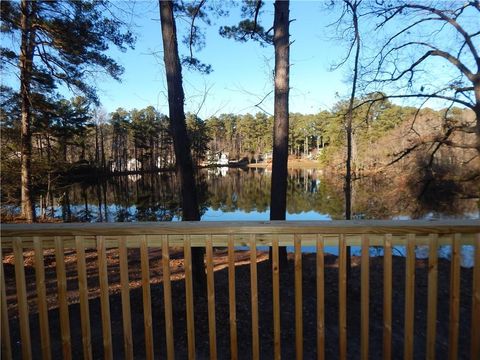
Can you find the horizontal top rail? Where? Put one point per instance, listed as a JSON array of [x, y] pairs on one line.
[[399, 227]]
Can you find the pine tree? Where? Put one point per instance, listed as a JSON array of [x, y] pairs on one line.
[[61, 43]]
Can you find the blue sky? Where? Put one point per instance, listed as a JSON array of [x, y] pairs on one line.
[[242, 72]]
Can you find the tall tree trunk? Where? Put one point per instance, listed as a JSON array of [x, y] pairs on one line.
[[183, 155], [278, 196], [26, 67], [97, 150], [349, 125], [476, 89], [102, 143]]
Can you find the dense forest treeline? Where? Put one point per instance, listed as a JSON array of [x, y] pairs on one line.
[[67, 132]]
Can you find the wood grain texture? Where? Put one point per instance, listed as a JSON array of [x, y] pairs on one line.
[[298, 298], [189, 298], [83, 295], [211, 300], [276, 300], [454, 299], [262, 239], [232, 302], [342, 298], [62, 299], [387, 298], [371, 227], [42, 299], [104, 299], [147, 299], [125, 295], [365, 298], [6, 340], [222, 234], [320, 279], [167, 298], [432, 296], [409, 298], [475, 327], [254, 298], [22, 300]]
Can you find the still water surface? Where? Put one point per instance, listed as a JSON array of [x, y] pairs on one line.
[[242, 194]]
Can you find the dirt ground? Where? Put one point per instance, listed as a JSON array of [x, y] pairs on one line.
[[243, 307]]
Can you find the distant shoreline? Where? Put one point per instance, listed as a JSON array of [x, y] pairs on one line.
[[292, 164]]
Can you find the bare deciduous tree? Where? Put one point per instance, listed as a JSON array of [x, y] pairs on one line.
[[430, 50]]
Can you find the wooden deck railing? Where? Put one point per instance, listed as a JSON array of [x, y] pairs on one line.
[[16, 240]]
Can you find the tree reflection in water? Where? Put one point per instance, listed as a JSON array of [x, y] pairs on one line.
[[245, 194]]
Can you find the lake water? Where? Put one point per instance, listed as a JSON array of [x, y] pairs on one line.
[[239, 194]]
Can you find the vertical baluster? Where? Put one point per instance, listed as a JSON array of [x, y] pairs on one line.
[[298, 297], [320, 299], [387, 298], [232, 299], [125, 294], [167, 296], [409, 297], [475, 326], [83, 293], [62, 298], [432, 295], [189, 297], [365, 294], [454, 298], [211, 299], [147, 303], [276, 297], [6, 341], [22, 299], [254, 298], [342, 293], [42, 298], [104, 298]]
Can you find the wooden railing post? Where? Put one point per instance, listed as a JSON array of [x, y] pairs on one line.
[[147, 302], [432, 295], [454, 298], [62, 298], [6, 341], [189, 297], [232, 299], [42, 299], [104, 298], [342, 297], [125, 295], [83, 294], [22, 299], [276, 298], [167, 294], [475, 323], [409, 297], [365, 301], [298, 297], [387, 297], [211, 299], [320, 279], [254, 298]]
